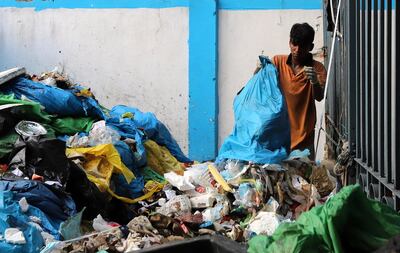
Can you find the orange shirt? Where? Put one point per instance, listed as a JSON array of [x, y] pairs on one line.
[[300, 99]]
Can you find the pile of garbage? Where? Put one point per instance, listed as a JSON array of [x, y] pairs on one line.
[[78, 177]]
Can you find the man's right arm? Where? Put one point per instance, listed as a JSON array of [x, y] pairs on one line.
[[259, 64]]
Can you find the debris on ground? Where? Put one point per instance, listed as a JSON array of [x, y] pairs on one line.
[[77, 177]]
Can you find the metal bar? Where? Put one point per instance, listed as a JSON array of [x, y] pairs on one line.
[[374, 85], [390, 186], [381, 64], [387, 92], [349, 79], [396, 102], [362, 80], [357, 82], [367, 83]]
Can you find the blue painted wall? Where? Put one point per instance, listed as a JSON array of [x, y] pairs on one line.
[[203, 44], [203, 89]]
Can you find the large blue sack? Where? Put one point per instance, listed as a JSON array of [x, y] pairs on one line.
[[132, 160], [11, 216], [154, 129], [57, 205], [53, 99], [262, 131], [128, 129]]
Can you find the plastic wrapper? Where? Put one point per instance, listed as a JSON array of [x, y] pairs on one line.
[[177, 205]]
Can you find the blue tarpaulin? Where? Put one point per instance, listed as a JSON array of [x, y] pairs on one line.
[[56, 205], [54, 100], [11, 216], [262, 132], [132, 160], [125, 118]]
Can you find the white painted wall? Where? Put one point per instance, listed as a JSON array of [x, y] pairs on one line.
[[243, 35], [139, 57], [136, 57]]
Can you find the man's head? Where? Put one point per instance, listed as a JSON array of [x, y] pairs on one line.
[[301, 41]]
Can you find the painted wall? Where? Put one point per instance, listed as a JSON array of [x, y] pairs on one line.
[[184, 60], [135, 56], [243, 36]]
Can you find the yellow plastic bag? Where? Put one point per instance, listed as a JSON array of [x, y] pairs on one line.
[[100, 163], [160, 159]]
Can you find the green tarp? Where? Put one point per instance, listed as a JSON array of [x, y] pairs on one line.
[[348, 222], [28, 110], [71, 126]]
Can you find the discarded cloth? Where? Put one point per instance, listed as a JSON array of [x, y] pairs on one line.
[[262, 132], [348, 222]]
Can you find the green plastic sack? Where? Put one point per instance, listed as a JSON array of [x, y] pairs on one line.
[[8, 140], [27, 110], [71, 126], [348, 222], [149, 174], [7, 143]]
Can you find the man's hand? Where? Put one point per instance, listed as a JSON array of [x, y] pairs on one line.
[[258, 67], [311, 75]]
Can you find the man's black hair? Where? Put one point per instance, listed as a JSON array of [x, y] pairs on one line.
[[302, 34]]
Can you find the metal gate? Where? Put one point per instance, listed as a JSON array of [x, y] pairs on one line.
[[363, 104]]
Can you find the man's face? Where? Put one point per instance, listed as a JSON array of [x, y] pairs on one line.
[[299, 52]]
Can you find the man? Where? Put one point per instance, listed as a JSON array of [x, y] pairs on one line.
[[302, 81]]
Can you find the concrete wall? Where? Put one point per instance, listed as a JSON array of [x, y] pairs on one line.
[[135, 56], [245, 34], [164, 56]]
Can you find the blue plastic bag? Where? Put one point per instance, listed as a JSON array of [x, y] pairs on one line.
[[53, 99], [55, 204], [131, 160], [11, 216], [128, 129], [154, 129], [132, 190], [262, 131]]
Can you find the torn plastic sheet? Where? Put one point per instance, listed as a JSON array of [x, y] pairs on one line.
[[71, 228]]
